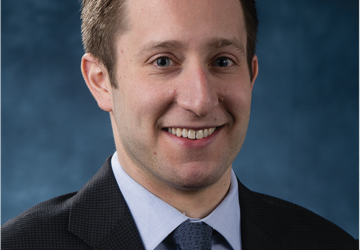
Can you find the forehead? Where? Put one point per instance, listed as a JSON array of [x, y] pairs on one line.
[[185, 8], [188, 20]]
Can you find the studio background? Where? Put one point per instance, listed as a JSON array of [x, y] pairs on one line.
[[302, 142]]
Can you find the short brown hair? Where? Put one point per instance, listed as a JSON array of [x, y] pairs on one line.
[[251, 26], [104, 20]]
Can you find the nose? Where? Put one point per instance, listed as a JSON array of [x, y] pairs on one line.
[[196, 92]]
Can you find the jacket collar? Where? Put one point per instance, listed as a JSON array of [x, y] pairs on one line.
[[99, 214], [100, 217], [259, 230]]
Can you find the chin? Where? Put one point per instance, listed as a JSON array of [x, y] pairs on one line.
[[192, 186], [195, 180]]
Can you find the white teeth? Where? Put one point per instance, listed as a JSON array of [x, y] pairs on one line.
[[185, 133], [205, 132], [199, 134], [190, 133]]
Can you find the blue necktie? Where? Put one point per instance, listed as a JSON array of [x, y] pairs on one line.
[[193, 235]]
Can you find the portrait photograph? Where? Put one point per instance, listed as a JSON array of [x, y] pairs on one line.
[[302, 137]]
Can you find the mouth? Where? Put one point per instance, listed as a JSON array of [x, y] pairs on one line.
[[193, 134]]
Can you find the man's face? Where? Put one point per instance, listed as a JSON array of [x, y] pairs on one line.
[[181, 66]]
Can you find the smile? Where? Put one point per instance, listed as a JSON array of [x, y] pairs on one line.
[[190, 133]]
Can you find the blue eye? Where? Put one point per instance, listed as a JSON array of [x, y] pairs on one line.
[[163, 62], [223, 62]]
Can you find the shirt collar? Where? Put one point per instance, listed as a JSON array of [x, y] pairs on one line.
[[155, 219], [226, 217]]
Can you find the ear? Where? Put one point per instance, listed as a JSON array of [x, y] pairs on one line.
[[255, 70], [97, 79]]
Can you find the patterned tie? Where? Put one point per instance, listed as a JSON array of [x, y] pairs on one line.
[[193, 235]]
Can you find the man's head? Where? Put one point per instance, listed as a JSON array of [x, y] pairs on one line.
[[181, 73], [104, 20]]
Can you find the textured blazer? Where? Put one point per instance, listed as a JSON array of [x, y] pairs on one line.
[[97, 217]]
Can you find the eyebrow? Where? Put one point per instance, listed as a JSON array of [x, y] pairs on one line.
[[170, 44], [175, 44], [221, 43]]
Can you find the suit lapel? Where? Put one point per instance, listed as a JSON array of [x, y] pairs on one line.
[[259, 228], [100, 216]]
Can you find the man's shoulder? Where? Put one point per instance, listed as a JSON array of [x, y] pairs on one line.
[[94, 217], [43, 226], [291, 224], [49, 224], [298, 215], [56, 207]]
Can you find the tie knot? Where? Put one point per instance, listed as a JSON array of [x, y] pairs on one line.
[[193, 235]]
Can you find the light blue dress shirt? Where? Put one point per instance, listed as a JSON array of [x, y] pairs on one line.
[[155, 219]]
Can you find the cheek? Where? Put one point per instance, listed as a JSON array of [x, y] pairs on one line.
[[237, 100], [142, 103]]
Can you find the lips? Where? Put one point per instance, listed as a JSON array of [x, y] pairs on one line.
[[191, 133]]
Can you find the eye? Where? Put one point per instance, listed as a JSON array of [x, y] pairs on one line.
[[164, 62], [223, 62]]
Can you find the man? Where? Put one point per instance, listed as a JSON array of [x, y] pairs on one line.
[[176, 78]]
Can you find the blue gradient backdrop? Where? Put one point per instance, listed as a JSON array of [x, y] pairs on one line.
[[302, 143]]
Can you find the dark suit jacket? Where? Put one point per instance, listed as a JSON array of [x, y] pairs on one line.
[[97, 217]]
